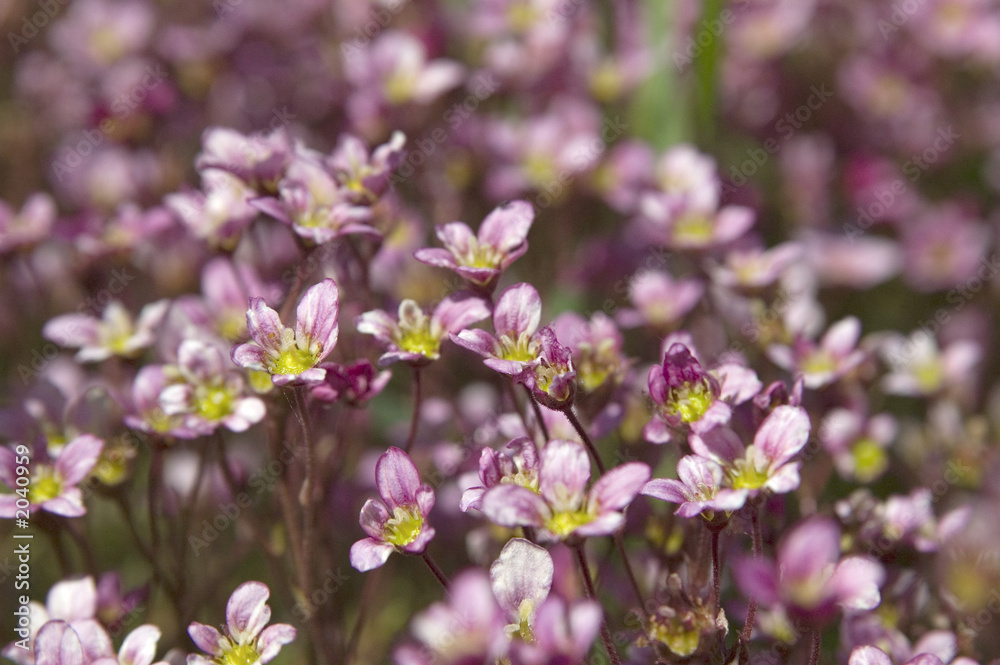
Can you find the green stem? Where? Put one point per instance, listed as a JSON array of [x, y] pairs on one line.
[[582, 431], [609, 645]]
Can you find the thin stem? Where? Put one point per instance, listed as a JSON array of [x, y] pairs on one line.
[[814, 647], [716, 577], [578, 426], [435, 569], [366, 598], [620, 544], [306, 492], [538, 414], [415, 416], [757, 552], [588, 583]]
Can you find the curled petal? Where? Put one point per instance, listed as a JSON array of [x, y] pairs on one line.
[[264, 327], [207, 638]]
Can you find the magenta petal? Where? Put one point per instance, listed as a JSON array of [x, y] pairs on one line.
[[564, 474], [616, 489], [603, 525], [435, 256], [479, 341], [720, 444], [472, 499], [518, 310], [507, 226], [271, 206], [247, 612], [368, 554], [809, 549], [250, 356], [264, 326], [513, 505], [856, 582], [455, 236], [757, 578], [316, 316], [783, 433], [666, 490], [72, 330], [656, 431], [453, 314], [273, 638], [78, 458], [207, 639], [67, 504], [508, 367], [377, 323], [397, 478]]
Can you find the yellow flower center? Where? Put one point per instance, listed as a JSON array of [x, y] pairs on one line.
[[240, 654], [404, 526], [479, 256], [745, 476], [870, 459], [564, 523], [928, 375], [690, 401], [680, 639], [694, 228], [44, 485], [414, 333], [521, 349], [213, 403], [293, 360], [819, 362]]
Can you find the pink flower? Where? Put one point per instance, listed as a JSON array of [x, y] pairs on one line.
[[659, 300], [397, 522], [497, 468], [416, 338], [515, 321], [699, 489], [53, 485], [563, 506], [114, 334], [482, 258], [292, 355], [246, 638], [823, 363]]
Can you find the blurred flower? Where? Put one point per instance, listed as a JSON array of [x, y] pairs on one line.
[[659, 300], [498, 468], [597, 348], [114, 334], [53, 485], [551, 378], [699, 489], [823, 363], [354, 383], [72, 601], [857, 443], [399, 521], [31, 223], [920, 368]]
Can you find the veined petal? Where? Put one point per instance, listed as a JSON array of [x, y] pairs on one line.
[[139, 648], [207, 638], [377, 323], [616, 489], [455, 236], [513, 505], [869, 655], [454, 315], [783, 433], [665, 489], [264, 327], [273, 638], [719, 444], [479, 341], [564, 474], [373, 517], [518, 310], [368, 554], [506, 227], [73, 600], [316, 316], [67, 504], [523, 571], [247, 612], [250, 356], [397, 478], [58, 644], [435, 256]]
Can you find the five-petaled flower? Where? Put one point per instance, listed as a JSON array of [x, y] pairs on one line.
[[399, 521], [247, 640], [114, 334], [698, 489], [292, 355], [53, 485], [416, 338], [515, 321], [563, 507], [481, 258]]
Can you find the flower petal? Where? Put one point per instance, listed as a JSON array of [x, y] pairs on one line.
[[247, 612], [783, 433], [564, 474], [273, 638], [72, 600], [523, 571], [506, 227], [368, 554], [78, 458], [513, 505], [316, 316], [397, 478], [139, 648], [616, 488], [264, 327], [518, 310], [207, 638]]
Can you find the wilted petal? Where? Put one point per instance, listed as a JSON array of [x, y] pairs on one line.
[[518, 310], [247, 612], [397, 478], [523, 571], [316, 316], [368, 554]]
